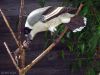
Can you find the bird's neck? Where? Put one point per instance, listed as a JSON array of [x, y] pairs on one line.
[[35, 30], [33, 33]]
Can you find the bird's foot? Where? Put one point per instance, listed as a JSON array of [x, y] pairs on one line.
[[27, 42]]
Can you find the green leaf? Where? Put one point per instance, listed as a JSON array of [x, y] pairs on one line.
[[79, 63], [81, 35], [62, 54], [62, 40], [91, 71], [68, 35], [70, 45], [98, 30], [85, 11], [82, 47], [93, 42]]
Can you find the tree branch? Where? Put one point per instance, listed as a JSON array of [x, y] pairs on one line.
[[11, 56], [46, 51], [21, 13], [9, 27], [79, 9], [21, 49]]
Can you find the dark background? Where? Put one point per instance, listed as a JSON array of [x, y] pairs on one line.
[[52, 64]]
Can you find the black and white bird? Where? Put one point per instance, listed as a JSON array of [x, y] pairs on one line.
[[48, 18]]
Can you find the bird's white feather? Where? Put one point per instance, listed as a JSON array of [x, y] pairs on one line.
[[57, 10]]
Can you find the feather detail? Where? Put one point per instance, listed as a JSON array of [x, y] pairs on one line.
[[77, 23]]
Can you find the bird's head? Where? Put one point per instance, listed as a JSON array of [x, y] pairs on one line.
[[27, 31], [27, 36]]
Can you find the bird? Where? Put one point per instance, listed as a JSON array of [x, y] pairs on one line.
[[49, 17]]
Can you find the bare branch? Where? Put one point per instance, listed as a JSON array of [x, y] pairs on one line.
[[45, 52], [21, 49], [11, 56], [21, 13], [8, 25]]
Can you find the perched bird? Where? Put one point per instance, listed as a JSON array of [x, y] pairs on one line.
[[48, 18]]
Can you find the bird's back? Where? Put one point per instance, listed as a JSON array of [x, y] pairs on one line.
[[35, 16]]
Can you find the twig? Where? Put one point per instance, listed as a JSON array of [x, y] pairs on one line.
[[11, 56], [79, 9], [94, 13], [20, 20], [51, 46], [8, 25]]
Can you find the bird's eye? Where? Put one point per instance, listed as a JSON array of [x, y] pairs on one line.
[[27, 30]]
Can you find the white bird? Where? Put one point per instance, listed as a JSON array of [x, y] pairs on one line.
[[43, 19]]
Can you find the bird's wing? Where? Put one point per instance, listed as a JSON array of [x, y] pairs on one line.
[[56, 11], [51, 14]]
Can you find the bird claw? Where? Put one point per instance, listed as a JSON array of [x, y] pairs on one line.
[[27, 42]]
